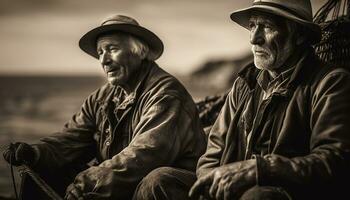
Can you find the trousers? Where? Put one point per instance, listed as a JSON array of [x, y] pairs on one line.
[[168, 183], [165, 183], [161, 183]]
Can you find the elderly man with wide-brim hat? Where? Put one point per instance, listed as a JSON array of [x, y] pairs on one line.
[[139, 128], [284, 130]]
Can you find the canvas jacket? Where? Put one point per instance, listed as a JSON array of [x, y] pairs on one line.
[[156, 125], [300, 134]]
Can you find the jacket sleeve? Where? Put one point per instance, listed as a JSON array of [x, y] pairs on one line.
[[163, 131], [72, 146], [329, 140], [217, 136]]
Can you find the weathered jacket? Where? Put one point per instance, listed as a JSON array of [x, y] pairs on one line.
[[300, 135], [156, 125]]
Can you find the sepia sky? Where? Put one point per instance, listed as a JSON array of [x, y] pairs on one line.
[[40, 37]]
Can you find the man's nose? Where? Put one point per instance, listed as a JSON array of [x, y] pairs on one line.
[[105, 58], [257, 36]]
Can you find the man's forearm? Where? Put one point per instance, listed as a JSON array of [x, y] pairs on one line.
[[316, 168]]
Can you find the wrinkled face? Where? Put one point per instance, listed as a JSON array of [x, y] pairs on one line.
[[272, 41], [117, 60]]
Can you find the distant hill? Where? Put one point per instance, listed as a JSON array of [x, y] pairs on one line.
[[217, 75]]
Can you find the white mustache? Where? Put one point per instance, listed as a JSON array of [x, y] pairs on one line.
[[259, 49], [109, 68]]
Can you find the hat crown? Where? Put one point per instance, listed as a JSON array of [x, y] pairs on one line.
[[300, 8], [119, 19], [126, 25]]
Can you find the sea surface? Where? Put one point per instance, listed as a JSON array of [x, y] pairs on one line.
[[35, 106]]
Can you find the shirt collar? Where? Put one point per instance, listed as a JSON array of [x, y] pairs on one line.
[[120, 97], [266, 82]]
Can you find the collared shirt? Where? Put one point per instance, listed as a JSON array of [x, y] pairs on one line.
[[269, 85], [122, 100]]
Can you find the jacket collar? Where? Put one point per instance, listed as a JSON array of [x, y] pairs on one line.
[[303, 68]]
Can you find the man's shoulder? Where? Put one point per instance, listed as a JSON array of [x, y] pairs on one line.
[[324, 71], [334, 70], [161, 82], [331, 75], [101, 93]]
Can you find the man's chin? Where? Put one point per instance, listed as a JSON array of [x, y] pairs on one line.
[[114, 81], [262, 65]]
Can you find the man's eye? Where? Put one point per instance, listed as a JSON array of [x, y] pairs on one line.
[[268, 27], [113, 49], [251, 25]]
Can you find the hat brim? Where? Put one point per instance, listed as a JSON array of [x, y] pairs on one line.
[[242, 17], [88, 42]]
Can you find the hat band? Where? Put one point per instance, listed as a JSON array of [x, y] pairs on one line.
[[113, 21], [280, 7]]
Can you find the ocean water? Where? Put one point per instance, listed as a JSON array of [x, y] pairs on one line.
[[32, 107]]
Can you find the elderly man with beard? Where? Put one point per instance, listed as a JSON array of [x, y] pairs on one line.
[[142, 124], [284, 130]]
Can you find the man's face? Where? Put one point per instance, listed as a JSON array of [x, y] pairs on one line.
[[272, 41], [117, 60]]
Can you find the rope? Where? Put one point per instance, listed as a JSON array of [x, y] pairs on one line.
[[41, 183], [336, 8], [13, 179], [344, 6], [322, 13]]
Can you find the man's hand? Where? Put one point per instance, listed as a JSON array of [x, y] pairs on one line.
[[74, 192], [88, 181], [228, 181], [20, 153]]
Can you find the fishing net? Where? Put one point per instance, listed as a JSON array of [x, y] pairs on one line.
[[209, 108], [334, 19]]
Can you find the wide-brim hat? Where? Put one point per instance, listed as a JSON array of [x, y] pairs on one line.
[[125, 24], [299, 11]]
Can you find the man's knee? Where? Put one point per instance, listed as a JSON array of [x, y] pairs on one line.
[[265, 193], [164, 183], [157, 177]]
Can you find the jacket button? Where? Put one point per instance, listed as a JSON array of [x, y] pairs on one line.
[[107, 131], [108, 143]]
